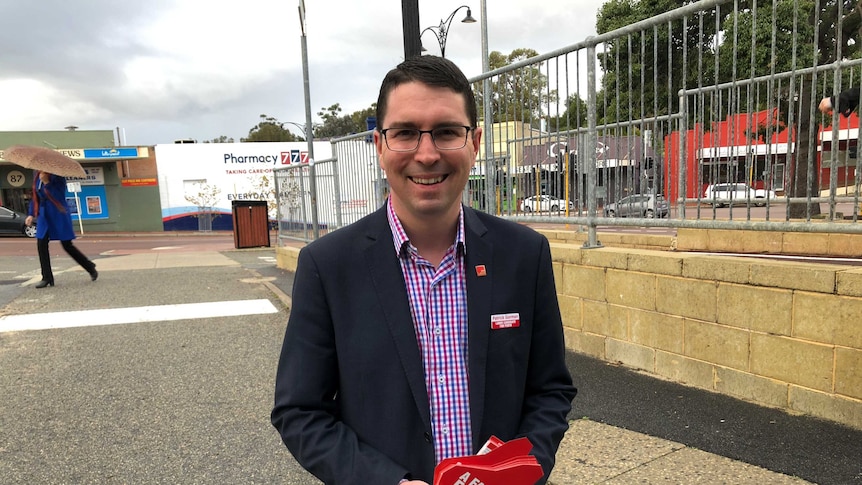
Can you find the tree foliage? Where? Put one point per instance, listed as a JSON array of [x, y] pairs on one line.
[[520, 95], [644, 72], [335, 125], [221, 139], [753, 29], [758, 38], [573, 116], [270, 129]]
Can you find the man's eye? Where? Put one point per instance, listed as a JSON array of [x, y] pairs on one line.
[[403, 134], [449, 133]]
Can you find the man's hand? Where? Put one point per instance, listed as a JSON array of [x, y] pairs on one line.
[[28, 221], [825, 106]]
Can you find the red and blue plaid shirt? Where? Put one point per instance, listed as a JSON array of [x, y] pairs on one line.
[[438, 303]]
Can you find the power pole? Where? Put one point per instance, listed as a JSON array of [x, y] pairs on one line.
[[410, 23]]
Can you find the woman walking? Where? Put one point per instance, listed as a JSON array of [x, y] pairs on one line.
[[53, 223]]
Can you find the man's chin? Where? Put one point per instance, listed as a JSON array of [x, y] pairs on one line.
[[433, 208]]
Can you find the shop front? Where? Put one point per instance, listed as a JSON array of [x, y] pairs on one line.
[[118, 193]]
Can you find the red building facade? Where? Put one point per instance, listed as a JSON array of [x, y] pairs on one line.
[[757, 149]]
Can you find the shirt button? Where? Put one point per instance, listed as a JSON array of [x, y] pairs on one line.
[[445, 430], [441, 379], [437, 331]]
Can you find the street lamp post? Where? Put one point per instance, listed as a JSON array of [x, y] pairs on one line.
[[487, 131], [301, 126], [308, 133], [442, 31]]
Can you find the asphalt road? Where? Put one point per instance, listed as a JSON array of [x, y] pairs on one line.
[[183, 401]]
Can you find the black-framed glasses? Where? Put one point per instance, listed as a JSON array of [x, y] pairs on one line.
[[444, 138]]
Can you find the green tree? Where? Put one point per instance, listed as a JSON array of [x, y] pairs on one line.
[[828, 42], [520, 95], [644, 72], [758, 55], [573, 116], [221, 139], [335, 124], [270, 129]]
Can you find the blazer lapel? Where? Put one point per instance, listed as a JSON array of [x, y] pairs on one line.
[[480, 277], [388, 280]]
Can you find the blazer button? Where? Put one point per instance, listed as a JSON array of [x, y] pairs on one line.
[[427, 437]]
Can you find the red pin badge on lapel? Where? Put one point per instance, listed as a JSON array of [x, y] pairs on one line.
[[480, 270]]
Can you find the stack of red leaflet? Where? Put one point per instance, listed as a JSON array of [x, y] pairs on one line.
[[497, 463]]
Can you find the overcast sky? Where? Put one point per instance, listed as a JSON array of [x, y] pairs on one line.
[[167, 69]]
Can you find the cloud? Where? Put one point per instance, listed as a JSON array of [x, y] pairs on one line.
[[168, 69]]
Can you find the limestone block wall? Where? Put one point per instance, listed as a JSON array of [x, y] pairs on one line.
[[779, 333]]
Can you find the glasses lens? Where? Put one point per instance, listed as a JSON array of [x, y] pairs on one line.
[[450, 137], [402, 139]]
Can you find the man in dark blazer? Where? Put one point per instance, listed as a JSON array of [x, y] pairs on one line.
[[356, 401], [848, 100]]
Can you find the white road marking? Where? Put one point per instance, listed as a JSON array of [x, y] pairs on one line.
[[160, 248], [114, 316]]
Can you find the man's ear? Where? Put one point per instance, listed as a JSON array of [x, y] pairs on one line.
[[477, 141], [378, 144]]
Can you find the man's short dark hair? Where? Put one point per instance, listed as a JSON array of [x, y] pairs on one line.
[[432, 71]]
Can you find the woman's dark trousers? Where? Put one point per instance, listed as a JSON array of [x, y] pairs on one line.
[[75, 253]]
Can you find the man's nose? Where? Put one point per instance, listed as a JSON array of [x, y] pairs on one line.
[[427, 150]]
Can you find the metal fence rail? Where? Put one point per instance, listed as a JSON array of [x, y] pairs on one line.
[[671, 109], [349, 186]]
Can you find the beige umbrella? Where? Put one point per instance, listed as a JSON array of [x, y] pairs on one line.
[[44, 159]]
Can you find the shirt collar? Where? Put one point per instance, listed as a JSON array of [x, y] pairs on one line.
[[402, 242]]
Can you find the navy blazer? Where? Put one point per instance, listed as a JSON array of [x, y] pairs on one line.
[[350, 397]]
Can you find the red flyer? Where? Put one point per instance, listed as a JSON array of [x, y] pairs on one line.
[[506, 463]]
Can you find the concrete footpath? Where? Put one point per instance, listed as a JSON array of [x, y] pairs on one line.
[[604, 444]]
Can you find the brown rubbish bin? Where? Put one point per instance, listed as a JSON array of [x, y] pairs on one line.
[[250, 223]]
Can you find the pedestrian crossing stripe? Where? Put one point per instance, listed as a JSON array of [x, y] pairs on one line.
[[116, 316]]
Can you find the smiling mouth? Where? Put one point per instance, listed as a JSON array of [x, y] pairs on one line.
[[428, 181]]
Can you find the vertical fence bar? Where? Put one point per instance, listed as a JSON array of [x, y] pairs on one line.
[[336, 185], [592, 139]]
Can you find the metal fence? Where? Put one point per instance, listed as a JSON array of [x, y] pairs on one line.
[[705, 116], [347, 187]]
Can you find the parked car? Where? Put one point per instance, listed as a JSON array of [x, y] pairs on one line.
[[720, 195], [638, 205], [545, 203], [12, 222]]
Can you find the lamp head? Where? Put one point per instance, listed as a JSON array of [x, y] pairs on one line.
[[469, 18]]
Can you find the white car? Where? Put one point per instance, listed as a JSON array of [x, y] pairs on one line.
[[728, 194], [639, 205], [545, 203]]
